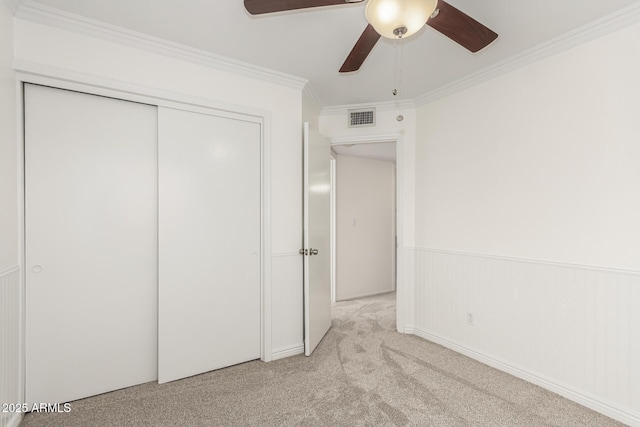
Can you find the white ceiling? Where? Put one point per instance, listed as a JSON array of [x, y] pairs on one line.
[[385, 151], [313, 43]]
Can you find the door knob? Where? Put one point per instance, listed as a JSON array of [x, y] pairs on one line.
[[313, 252], [304, 251]]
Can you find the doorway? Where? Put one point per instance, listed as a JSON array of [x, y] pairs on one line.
[[364, 219]]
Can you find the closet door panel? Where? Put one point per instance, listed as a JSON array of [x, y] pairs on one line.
[[209, 242], [91, 244]]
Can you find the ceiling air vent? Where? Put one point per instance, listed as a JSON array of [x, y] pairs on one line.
[[362, 117]]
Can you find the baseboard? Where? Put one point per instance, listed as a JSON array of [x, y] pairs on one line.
[[293, 350], [381, 292], [599, 405]]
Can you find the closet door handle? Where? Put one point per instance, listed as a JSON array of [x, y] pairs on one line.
[[313, 252]]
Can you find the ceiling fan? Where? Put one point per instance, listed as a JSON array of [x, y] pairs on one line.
[[438, 14]]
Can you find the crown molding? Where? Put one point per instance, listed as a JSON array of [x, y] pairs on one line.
[[42, 74], [38, 13], [608, 24], [379, 106], [13, 5]]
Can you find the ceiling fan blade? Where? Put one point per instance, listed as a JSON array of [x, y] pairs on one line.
[[461, 28], [361, 50], [257, 7]]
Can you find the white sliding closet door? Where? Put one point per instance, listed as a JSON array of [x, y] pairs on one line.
[[91, 244], [209, 243]]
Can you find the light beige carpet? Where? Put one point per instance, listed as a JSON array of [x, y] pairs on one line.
[[362, 373]]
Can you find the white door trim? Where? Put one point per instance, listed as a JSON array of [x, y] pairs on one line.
[[63, 79], [333, 225], [403, 278]]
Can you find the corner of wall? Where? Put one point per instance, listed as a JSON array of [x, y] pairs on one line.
[[13, 5], [310, 106]]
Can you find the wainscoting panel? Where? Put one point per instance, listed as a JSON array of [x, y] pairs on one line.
[[572, 329], [286, 304], [10, 344]]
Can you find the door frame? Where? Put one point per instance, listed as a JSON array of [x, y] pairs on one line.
[[68, 80], [403, 287], [332, 238]]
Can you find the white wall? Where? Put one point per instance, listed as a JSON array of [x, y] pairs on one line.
[[527, 207], [365, 227], [98, 60], [310, 109]]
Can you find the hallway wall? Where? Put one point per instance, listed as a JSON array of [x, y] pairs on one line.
[[365, 222]]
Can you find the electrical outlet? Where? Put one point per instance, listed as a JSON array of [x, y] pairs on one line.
[[470, 319]]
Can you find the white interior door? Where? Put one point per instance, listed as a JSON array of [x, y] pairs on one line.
[[317, 228], [209, 243], [91, 239]]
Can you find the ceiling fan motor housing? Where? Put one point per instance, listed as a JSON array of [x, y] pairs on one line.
[[399, 32], [399, 18]]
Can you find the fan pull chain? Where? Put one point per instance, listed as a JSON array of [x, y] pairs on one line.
[[395, 68], [397, 91]]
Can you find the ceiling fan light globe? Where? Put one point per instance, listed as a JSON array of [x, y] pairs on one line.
[[387, 15]]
